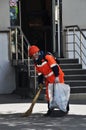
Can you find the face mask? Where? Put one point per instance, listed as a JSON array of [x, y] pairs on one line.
[[36, 56]]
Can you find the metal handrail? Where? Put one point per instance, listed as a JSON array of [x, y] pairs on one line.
[[78, 53], [74, 28], [78, 28], [79, 39], [18, 27], [28, 62], [22, 45]]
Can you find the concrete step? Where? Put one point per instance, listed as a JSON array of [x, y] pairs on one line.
[[71, 66], [74, 89], [76, 83], [78, 98], [74, 71], [78, 89], [75, 77], [69, 61]]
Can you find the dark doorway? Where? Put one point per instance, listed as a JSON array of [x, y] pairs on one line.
[[36, 22]]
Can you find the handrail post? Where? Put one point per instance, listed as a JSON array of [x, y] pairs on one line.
[[80, 50], [67, 41], [35, 79], [22, 48], [29, 66], [74, 41], [16, 44]]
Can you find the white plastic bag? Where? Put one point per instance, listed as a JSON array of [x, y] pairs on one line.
[[59, 94]]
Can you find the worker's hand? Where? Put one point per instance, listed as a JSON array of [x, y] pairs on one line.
[[56, 80], [41, 85]]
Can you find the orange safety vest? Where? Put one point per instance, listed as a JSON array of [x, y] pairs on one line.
[[45, 68]]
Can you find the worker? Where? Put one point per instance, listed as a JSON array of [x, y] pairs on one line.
[[47, 69]]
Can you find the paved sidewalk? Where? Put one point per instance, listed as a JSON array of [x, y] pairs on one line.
[[12, 107]]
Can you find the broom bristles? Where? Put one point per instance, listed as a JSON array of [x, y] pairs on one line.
[[29, 111]]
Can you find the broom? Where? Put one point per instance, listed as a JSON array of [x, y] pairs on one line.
[[29, 111]]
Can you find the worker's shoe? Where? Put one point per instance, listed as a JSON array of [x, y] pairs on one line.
[[48, 112], [68, 108]]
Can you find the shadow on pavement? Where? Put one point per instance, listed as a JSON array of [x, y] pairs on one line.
[[38, 122]]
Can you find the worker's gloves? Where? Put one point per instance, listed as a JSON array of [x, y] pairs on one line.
[[56, 80], [41, 85]]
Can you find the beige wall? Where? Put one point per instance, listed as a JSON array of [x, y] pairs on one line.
[[74, 12], [4, 14]]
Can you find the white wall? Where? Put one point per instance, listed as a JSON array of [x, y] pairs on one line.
[[7, 73], [4, 14], [74, 12]]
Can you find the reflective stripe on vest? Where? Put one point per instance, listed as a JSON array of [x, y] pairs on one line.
[[51, 73], [43, 63], [53, 65], [39, 74]]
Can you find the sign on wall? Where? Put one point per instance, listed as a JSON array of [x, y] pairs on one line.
[[13, 12]]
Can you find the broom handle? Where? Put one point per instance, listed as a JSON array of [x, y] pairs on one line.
[[35, 99]]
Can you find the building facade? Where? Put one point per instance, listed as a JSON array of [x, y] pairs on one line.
[[38, 30]]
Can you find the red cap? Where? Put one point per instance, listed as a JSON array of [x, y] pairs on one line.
[[32, 50]]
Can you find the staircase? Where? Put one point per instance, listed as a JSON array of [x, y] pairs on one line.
[[75, 76], [75, 73]]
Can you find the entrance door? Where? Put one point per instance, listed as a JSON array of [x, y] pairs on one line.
[[36, 21], [40, 23]]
